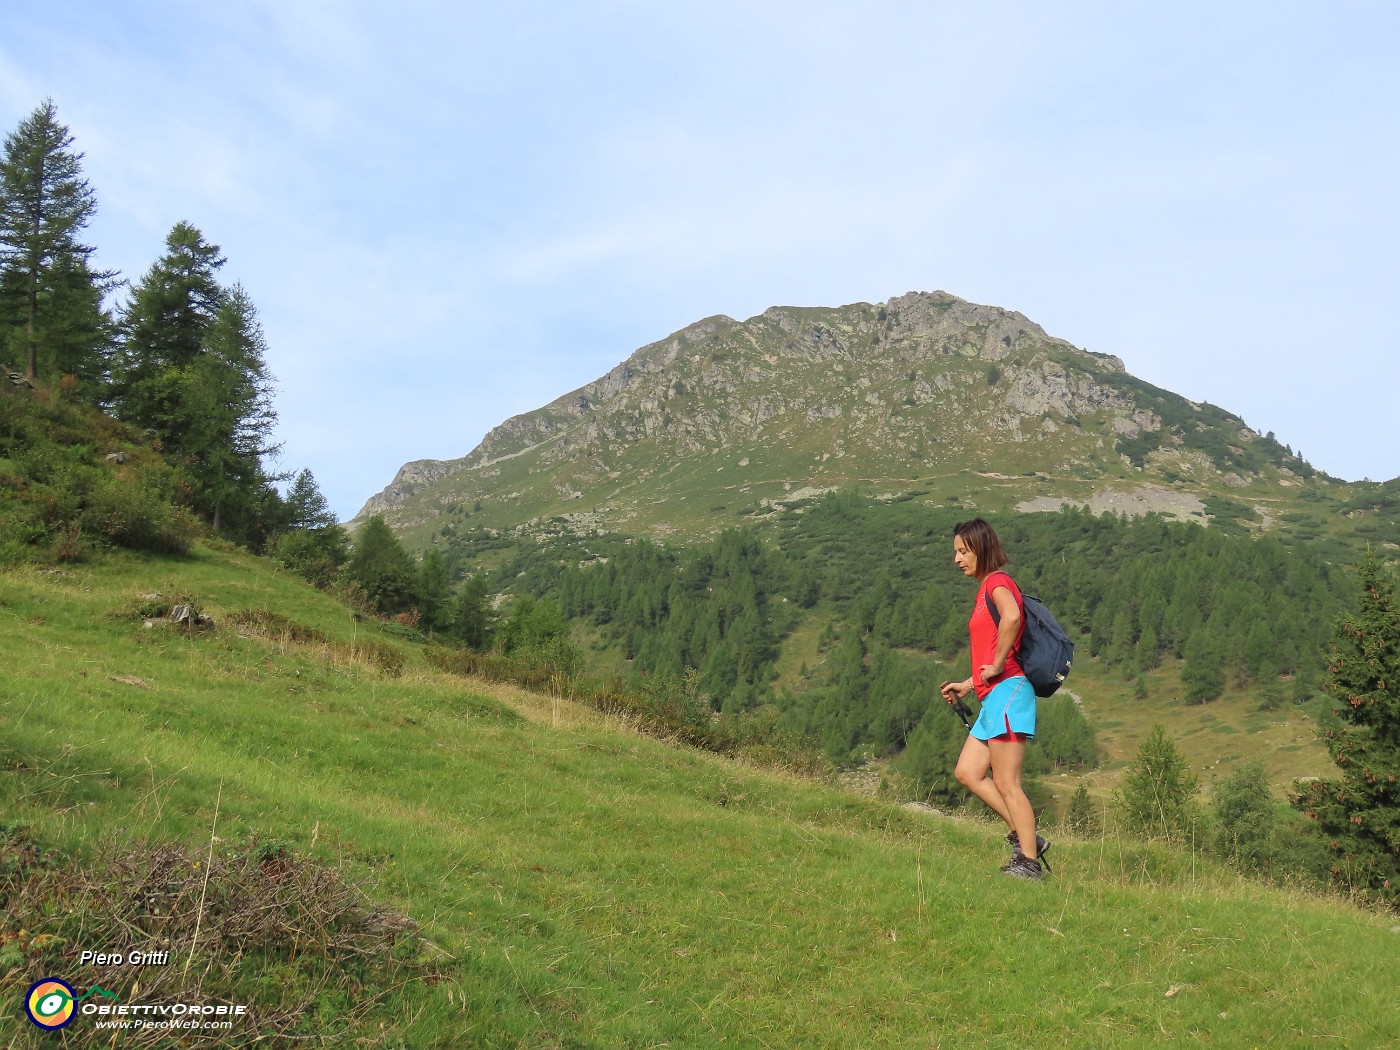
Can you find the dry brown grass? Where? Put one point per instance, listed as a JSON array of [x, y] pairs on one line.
[[254, 925]]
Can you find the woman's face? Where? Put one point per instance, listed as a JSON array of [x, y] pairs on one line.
[[963, 556]]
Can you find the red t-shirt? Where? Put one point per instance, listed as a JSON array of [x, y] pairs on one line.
[[982, 633]]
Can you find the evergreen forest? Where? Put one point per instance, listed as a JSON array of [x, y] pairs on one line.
[[876, 580]]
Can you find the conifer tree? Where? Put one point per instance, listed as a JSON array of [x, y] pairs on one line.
[[1157, 796], [1271, 690], [1359, 812], [50, 295], [193, 372], [380, 565], [931, 755], [1204, 673], [314, 544], [1149, 652], [434, 590], [306, 505], [1083, 817], [170, 313], [471, 622], [1244, 815], [228, 413]]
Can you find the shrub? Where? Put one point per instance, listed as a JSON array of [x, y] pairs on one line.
[[314, 554], [1244, 816], [139, 515]]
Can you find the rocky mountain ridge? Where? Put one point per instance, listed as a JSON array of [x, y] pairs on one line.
[[923, 396]]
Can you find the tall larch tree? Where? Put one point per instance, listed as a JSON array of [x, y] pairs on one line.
[[192, 371], [229, 414], [51, 313], [169, 314]]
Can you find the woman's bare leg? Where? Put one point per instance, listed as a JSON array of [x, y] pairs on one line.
[[1006, 757], [973, 765]]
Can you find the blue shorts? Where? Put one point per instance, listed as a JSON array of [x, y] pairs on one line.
[[1008, 708]]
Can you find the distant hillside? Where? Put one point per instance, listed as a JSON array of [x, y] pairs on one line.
[[926, 396]]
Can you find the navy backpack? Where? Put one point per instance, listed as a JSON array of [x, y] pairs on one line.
[[1046, 651]]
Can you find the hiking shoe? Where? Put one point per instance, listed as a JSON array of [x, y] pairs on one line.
[[1042, 847], [1023, 867]]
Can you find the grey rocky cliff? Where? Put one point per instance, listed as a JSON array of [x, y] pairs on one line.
[[924, 378], [719, 381], [410, 478]]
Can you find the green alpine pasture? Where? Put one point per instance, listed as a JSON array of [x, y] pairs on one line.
[[580, 885]]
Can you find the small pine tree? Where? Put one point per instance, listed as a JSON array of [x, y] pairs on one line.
[[380, 565], [471, 621], [1271, 691], [1149, 649], [1083, 818], [1305, 687], [1359, 813], [1158, 793], [313, 544], [1244, 815]]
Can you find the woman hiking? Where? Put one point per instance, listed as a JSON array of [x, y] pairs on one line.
[[997, 742]]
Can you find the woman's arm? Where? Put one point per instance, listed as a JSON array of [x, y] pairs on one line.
[[1008, 630]]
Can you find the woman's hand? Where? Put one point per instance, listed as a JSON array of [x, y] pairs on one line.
[[988, 672], [955, 691]]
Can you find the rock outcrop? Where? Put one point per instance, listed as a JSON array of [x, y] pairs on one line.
[[880, 394]]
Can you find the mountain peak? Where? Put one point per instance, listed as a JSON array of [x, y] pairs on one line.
[[925, 393]]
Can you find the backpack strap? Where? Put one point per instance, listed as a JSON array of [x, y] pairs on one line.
[[987, 597]]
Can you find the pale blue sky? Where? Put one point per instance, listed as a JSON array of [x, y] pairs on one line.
[[451, 213]]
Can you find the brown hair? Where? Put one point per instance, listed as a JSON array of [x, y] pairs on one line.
[[982, 540]]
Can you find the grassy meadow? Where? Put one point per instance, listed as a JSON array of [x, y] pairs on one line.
[[1215, 738], [578, 884]]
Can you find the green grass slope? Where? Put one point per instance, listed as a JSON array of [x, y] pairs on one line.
[[589, 887]]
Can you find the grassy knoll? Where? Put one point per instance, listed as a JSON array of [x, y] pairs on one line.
[[583, 886]]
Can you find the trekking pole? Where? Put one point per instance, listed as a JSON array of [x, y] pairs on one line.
[[961, 709], [964, 712]]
